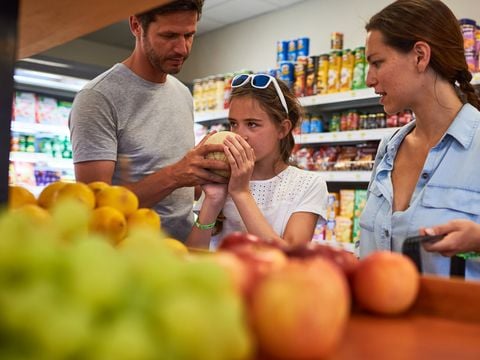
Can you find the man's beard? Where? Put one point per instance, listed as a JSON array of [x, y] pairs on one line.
[[157, 62]]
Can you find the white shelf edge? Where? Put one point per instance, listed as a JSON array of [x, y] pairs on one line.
[[49, 161], [18, 126], [346, 176], [344, 136], [205, 116], [335, 98]]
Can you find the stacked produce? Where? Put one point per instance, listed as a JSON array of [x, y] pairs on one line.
[[68, 291], [76, 282]]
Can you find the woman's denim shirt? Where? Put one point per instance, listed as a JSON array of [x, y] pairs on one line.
[[448, 188]]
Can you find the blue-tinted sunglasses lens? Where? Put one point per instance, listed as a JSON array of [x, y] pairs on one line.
[[260, 80], [239, 80]]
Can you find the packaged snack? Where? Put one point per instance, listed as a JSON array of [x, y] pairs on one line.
[[347, 201]]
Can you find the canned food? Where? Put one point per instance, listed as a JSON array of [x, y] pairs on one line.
[[336, 41], [322, 74]]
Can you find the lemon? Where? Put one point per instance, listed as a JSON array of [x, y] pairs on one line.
[[49, 194], [110, 222], [34, 214], [77, 191], [19, 196], [96, 186], [118, 197], [176, 245], [144, 217]]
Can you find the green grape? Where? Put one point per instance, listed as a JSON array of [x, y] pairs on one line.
[[96, 273], [66, 333], [71, 219], [126, 338]]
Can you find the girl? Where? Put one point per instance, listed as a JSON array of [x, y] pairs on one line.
[[265, 196], [427, 173]]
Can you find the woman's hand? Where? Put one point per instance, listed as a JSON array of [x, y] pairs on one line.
[[460, 236], [241, 158]]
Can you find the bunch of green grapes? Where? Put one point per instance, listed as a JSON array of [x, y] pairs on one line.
[[67, 294]]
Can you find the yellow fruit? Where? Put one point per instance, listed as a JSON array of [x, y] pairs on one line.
[[34, 214], [144, 218], [19, 196], [110, 222], [176, 245], [77, 191], [118, 197], [218, 138], [96, 186], [49, 194]]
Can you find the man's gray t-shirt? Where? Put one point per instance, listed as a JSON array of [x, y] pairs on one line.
[[120, 114]]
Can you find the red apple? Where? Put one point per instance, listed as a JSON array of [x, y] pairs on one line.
[[342, 258], [386, 283], [300, 311]]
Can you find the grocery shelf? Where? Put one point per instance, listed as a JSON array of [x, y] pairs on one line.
[[345, 136], [50, 162], [211, 116], [346, 176], [35, 128], [342, 100]]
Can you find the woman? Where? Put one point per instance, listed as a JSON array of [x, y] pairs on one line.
[[265, 196], [427, 173]]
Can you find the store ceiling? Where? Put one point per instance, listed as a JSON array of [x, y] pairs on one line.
[[216, 14]]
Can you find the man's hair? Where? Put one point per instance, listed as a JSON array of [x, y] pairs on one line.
[[147, 17]]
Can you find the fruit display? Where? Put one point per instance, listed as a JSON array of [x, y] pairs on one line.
[[67, 292], [79, 279]]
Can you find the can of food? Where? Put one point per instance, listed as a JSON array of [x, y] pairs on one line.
[[303, 46], [311, 76], [292, 50], [358, 81], [322, 74], [287, 72], [334, 68], [346, 72], [282, 51], [300, 76], [468, 28], [336, 41]]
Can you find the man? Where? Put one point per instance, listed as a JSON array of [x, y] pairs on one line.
[[137, 111]]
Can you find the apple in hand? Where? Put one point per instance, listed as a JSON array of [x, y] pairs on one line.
[[386, 283], [301, 310]]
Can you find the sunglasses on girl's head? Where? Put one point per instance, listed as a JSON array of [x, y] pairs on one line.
[[260, 81]]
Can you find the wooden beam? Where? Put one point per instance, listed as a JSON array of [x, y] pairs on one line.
[[44, 24]]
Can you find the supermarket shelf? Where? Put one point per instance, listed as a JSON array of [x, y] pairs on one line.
[[342, 100], [346, 176], [40, 158], [345, 136], [213, 116], [35, 128]]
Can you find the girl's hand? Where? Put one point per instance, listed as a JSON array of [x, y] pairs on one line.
[[215, 193], [241, 158], [460, 236]]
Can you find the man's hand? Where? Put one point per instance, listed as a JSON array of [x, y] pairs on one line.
[[193, 168]]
